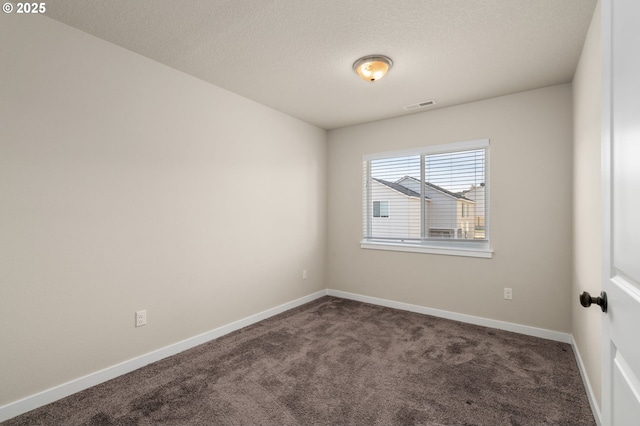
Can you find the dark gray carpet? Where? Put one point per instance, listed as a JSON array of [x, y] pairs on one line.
[[335, 361]]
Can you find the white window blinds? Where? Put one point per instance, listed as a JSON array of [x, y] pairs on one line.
[[436, 194]]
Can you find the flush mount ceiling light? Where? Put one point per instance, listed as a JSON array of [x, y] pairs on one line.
[[373, 67]]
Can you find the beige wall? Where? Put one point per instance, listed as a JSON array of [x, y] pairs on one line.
[[127, 185], [587, 207], [531, 170]]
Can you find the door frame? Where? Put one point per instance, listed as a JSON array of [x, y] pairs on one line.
[[605, 140]]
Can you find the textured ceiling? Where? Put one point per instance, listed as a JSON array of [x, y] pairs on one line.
[[296, 55]]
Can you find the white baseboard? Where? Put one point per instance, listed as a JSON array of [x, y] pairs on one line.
[[470, 319], [32, 402], [587, 384]]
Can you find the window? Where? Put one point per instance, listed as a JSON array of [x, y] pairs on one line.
[[380, 209], [439, 196]]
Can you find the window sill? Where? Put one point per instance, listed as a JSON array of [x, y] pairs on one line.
[[482, 252]]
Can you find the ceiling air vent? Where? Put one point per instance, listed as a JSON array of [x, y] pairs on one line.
[[422, 104]]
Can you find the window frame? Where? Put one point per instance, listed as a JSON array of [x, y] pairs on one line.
[[454, 247]]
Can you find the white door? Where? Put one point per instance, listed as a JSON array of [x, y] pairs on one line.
[[621, 189]]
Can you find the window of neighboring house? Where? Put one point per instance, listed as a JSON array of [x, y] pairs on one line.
[[380, 209], [440, 195], [440, 233]]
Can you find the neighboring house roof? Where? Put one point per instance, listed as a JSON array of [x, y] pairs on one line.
[[437, 188], [397, 187], [474, 188]]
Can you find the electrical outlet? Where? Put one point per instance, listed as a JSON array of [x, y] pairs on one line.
[[304, 274], [141, 318], [508, 293]]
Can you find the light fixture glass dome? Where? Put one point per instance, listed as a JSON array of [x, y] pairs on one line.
[[373, 67]]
